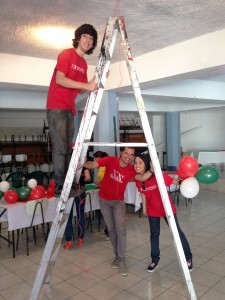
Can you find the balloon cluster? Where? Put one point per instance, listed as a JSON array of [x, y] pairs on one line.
[[191, 174], [32, 191]]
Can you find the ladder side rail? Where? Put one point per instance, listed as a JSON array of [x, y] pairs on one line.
[[155, 161], [44, 264], [57, 244]]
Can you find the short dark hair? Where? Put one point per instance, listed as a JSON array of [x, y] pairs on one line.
[[88, 29], [123, 148], [146, 159]]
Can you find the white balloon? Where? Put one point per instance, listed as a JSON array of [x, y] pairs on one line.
[[189, 187], [4, 186], [32, 183]]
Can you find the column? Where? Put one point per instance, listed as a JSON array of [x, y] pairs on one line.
[[173, 140]]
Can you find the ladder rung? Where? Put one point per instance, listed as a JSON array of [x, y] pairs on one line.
[[117, 144]]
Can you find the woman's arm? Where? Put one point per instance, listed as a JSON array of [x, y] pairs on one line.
[[144, 208], [143, 177]]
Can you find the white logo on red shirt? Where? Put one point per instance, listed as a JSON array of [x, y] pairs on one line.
[[79, 69], [117, 176], [150, 188]]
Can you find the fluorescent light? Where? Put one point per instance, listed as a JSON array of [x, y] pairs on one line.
[[56, 37]]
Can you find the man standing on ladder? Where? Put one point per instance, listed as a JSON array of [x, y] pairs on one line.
[[69, 78], [118, 173]]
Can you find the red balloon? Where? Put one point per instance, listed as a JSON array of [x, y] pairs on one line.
[[11, 196], [52, 183], [181, 174], [50, 192], [36, 193], [189, 166], [41, 187]]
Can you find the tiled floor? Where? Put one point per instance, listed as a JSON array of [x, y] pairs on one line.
[[85, 273]]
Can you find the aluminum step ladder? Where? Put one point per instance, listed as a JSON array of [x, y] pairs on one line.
[[114, 25]]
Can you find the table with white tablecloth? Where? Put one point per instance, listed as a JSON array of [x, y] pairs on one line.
[[17, 217]]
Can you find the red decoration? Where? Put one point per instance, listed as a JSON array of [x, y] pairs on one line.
[[52, 183], [50, 192], [11, 196], [181, 174], [36, 193], [188, 166], [41, 187]]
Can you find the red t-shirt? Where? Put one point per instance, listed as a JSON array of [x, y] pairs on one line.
[[154, 203], [115, 179], [75, 68]]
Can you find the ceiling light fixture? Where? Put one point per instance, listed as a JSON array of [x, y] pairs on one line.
[[57, 37]]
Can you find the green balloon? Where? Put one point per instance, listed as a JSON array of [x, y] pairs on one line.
[[207, 175], [1, 195], [23, 192]]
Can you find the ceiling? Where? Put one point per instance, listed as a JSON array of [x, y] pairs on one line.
[[151, 25]]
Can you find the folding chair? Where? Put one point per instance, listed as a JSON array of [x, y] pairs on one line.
[[16, 178], [41, 177]]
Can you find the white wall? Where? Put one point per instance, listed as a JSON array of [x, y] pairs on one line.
[[203, 129]]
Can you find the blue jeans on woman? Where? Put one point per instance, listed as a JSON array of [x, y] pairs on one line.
[[61, 130], [80, 205], [154, 223]]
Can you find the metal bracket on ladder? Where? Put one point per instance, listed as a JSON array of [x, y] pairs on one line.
[[114, 25]]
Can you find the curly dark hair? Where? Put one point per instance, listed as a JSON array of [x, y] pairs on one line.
[[88, 29]]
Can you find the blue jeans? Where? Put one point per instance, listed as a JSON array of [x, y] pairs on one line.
[[113, 212], [154, 223], [61, 130], [80, 205]]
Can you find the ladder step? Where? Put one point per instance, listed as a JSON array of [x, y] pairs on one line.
[[116, 144]]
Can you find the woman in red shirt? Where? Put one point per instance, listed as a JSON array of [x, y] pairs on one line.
[[154, 209]]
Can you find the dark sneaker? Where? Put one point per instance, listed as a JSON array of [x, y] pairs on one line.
[[123, 269], [190, 265], [115, 264], [152, 267]]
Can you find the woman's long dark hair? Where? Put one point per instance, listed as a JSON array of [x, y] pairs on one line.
[[146, 159]]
